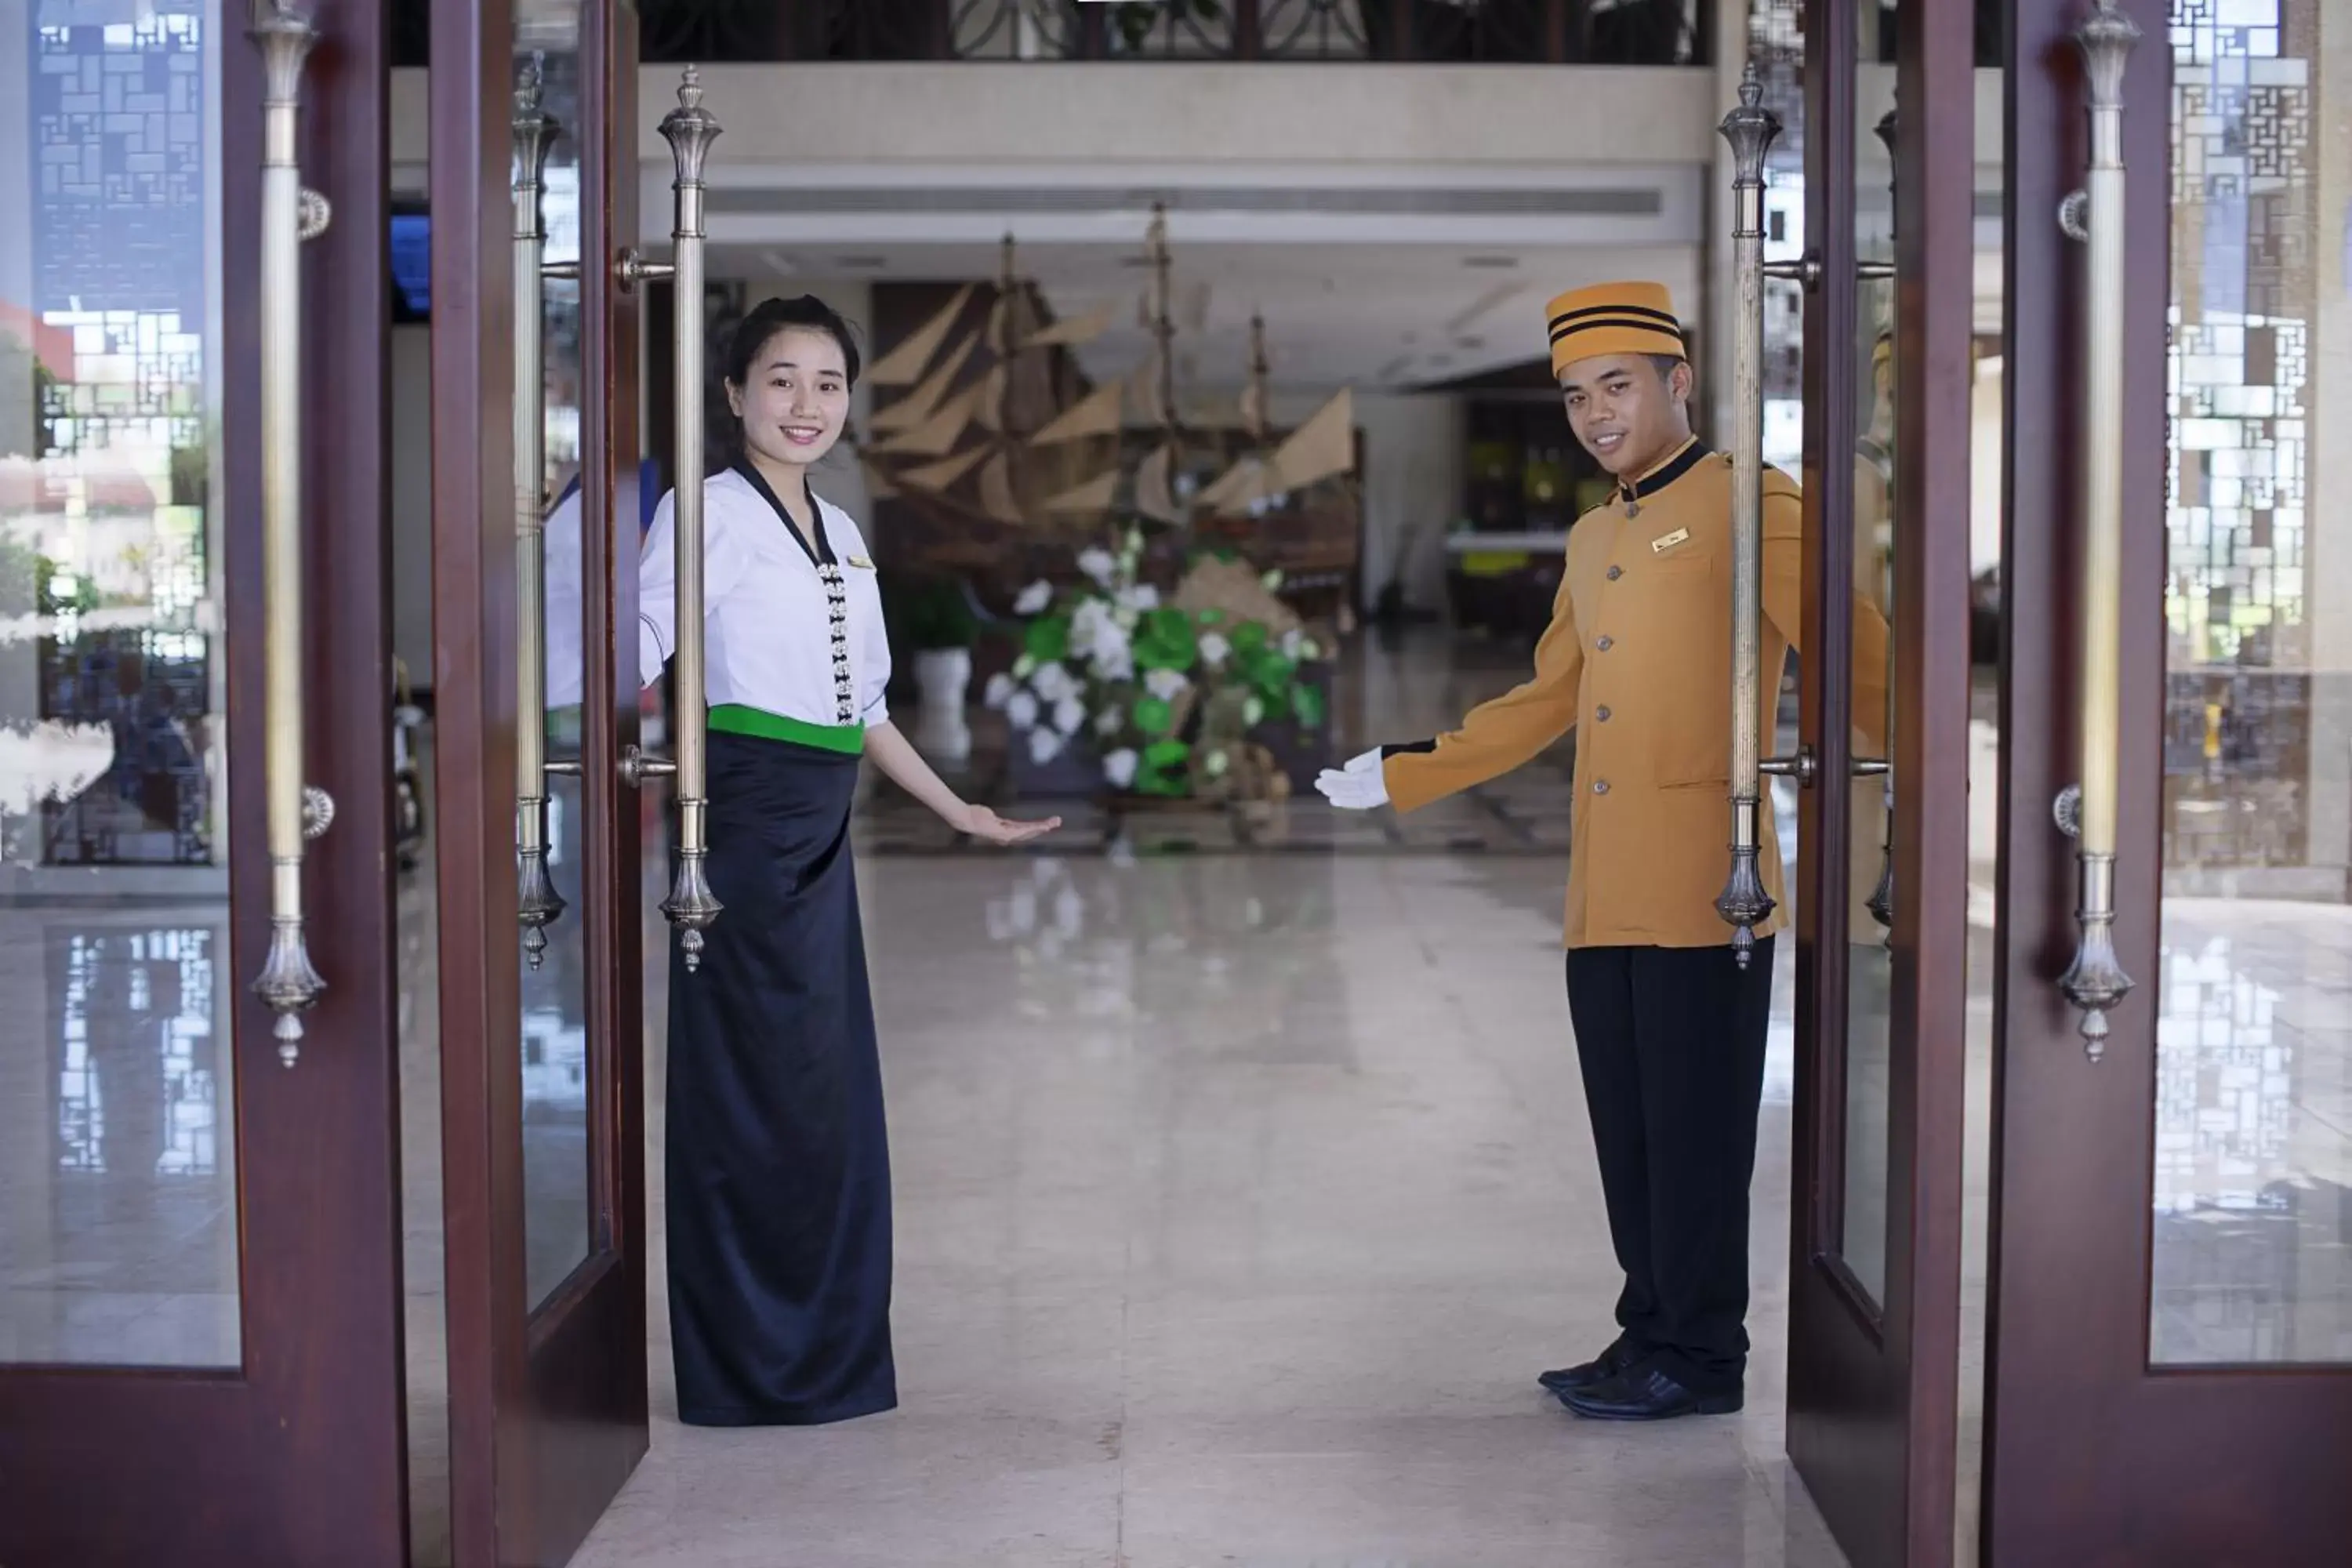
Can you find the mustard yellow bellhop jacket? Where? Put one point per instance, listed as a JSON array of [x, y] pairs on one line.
[[1637, 660]]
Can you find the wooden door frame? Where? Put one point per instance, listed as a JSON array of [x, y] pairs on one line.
[[547, 1401], [2091, 1456], [300, 1454], [1874, 1395]]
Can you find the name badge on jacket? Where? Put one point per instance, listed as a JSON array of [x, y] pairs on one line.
[[1664, 542]]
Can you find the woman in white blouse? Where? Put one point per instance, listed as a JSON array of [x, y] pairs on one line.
[[778, 1168]]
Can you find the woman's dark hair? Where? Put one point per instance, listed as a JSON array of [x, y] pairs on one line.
[[741, 346]]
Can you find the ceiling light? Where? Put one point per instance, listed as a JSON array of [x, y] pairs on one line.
[[1491, 263]]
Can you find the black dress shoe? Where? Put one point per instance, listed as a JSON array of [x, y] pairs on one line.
[[1644, 1393], [1601, 1369]]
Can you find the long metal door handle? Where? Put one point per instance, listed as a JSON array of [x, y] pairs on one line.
[[297, 812], [536, 903], [2096, 982], [689, 129], [1750, 129]]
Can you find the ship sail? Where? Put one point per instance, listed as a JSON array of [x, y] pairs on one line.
[[938, 435], [1097, 414], [1155, 496], [920, 403], [1074, 331], [996, 496], [1323, 446], [904, 365], [1090, 500], [940, 475]]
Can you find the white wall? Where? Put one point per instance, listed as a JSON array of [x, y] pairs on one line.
[[1416, 461], [1077, 113]]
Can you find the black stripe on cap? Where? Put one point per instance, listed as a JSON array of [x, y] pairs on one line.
[[1664, 316], [1664, 325]]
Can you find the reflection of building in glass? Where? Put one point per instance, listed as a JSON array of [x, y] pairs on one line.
[[137, 1093], [105, 483], [1776, 30], [554, 1063], [2251, 777]]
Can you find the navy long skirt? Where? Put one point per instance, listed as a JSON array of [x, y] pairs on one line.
[[779, 1170]]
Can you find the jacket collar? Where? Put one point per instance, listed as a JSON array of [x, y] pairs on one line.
[[1686, 458]]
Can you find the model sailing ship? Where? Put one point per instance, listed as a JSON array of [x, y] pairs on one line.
[[989, 428]]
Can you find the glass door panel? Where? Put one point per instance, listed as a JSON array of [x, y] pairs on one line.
[[199, 1296], [534, 213], [558, 1212], [2253, 1176], [1885, 278], [2170, 1161], [119, 1234]]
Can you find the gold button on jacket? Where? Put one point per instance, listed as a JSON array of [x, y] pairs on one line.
[[1642, 628]]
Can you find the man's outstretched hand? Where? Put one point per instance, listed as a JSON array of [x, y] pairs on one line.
[[1358, 787]]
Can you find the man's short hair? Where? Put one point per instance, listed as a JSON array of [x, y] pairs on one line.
[[1665, 365]]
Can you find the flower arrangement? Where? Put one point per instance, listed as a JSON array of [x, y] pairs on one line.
[[1165, 693]]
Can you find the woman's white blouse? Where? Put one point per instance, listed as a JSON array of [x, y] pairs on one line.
[[788, 630]]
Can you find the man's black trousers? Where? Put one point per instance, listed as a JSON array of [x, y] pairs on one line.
[[1671, 1041]]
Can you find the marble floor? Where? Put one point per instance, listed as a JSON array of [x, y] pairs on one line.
[[1239, 1201]]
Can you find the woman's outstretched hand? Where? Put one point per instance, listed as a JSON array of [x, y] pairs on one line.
[[986, 826]]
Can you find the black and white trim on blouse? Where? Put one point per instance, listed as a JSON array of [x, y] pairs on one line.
[[828, 571]]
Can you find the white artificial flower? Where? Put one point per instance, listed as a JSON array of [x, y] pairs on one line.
[[1166, 684], [1034, 598], [1139, 597], [1023, 665], [1272, 580], [1053, 682], [1292, 641], [1089, 624], [1114, 663], [1125, 616], [1218, 764], [1120, 768], [1069, 715], [1108, 722], [1097, 564], [1310, 649], [1044, 745], [1000, 690], [1213, 649], [1022, 709], [1253, 710]]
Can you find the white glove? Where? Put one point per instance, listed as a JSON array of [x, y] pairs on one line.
[[1358, 786]]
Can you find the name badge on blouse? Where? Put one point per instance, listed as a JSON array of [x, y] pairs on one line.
[[860, 564], [1664, 542]]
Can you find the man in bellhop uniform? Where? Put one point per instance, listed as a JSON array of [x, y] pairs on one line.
[[1670, 1030]]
